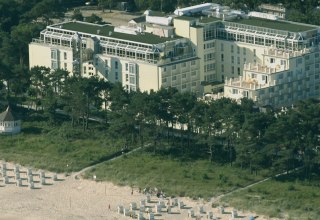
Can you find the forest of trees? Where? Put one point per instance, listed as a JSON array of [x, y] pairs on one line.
[[221, 131]]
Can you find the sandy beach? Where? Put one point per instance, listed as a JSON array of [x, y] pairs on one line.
[[73, 198]]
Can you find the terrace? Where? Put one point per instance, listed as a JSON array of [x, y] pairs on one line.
[[278, 25], [108, 31]]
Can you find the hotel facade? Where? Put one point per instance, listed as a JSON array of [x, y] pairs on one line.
[[204, 48]]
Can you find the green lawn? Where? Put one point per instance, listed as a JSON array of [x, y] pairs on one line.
[[281, 198], [198, 178]]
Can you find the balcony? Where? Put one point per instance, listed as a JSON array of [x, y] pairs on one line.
[[263, 69], [250, 84]]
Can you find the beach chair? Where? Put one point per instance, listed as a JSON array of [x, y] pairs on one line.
[[221, 209], [140, 216], [133, 206], [190, 213], [18, 182], [180, 204], [158, 208], [120, 209], [31, 185], [151, 216], [201, 209], [161, 203], [234, 213], [126, 212], [43, 181], [142, 202]]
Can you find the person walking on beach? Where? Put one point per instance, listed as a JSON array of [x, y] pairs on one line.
[[109, 207]]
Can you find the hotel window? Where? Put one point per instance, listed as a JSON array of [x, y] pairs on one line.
[[238, 50], [194, 84], [164, 80], [65, 55], [84, 70], [193, 62], [174, 67], [132, 68], [272, 60], [232, 59], [222, 68], [54, 64], [116, 64], [184, 76], [238, 60], [238, 70], [222, 58], [174, 78], [127, 67], [116, 76], [184, 86], [193, 73], [234, 91], [132, 80], [54, 54], [127, 77]]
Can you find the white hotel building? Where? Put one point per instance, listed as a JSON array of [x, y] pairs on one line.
[[199, 49]]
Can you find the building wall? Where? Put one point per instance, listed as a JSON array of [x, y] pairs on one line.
[[184, 76], [11, 127], [182, 27], [40, 55], [230, 57], [131, 73], [297, 78]]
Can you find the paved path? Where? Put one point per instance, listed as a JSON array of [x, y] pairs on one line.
[[75, 175], [215, 199]]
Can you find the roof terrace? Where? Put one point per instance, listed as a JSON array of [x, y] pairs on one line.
[[108, 31], [278, 25]]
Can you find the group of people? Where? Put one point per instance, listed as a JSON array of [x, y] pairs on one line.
[[155, 191]]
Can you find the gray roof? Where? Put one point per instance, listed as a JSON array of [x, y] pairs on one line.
[[139, 19], [7, 115]]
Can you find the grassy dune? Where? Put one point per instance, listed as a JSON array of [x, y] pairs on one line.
[[198, 178], [59, 149], [285, 197]]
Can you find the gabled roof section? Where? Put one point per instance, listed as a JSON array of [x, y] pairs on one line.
[[7, 115]]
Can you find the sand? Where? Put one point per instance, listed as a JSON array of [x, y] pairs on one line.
[[76, 199]]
